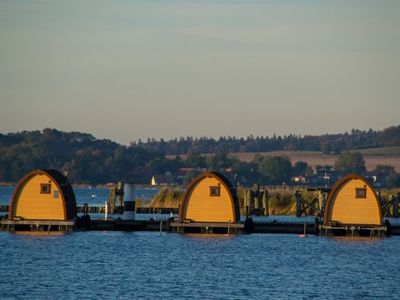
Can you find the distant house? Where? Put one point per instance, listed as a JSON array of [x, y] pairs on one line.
[[299, 179], [322, 177], [43, 195], [377, 179]]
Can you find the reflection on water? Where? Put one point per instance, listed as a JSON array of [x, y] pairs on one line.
[[356, 239], [47, 234], [209, 236]]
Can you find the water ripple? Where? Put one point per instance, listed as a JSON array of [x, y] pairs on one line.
[[93, 265]]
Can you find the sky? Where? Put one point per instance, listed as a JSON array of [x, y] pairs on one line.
[[127, 69]]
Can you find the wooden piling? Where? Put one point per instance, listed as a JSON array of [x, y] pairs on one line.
[[321, 203], [299, 207], [395, 205], [265, 202], [111, 198], [120, 194], [256, 197], [251, 201]]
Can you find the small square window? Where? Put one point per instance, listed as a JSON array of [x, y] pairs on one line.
[[215, 191], [45, 188], [361, 193], [56, 194]]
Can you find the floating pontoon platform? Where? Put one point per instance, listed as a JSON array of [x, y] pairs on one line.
[[353, 230], [37, 225], [207, 227]]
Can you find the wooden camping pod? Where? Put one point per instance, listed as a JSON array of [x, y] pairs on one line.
[[210, 197], [43, 195], [353, 201]]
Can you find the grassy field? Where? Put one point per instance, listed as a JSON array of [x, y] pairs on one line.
[[373, 157], [385, 151]]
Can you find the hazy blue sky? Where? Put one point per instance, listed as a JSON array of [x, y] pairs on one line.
[[135, 69]]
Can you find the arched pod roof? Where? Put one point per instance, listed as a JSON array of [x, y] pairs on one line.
[[222, 180], [66, 192], [337, 190]]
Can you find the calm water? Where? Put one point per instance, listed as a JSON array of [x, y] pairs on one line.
[[111, 265]]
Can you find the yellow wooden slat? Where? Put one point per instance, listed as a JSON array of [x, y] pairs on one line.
[[31, 204], [204, 208]]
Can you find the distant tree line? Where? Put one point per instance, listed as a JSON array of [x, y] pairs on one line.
[[328, 143], [96, 161], [85, 158]]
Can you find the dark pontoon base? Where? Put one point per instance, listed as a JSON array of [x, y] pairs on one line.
[[126, 225], [353, 230], [207, 227], [222, 228], [37, 225]]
